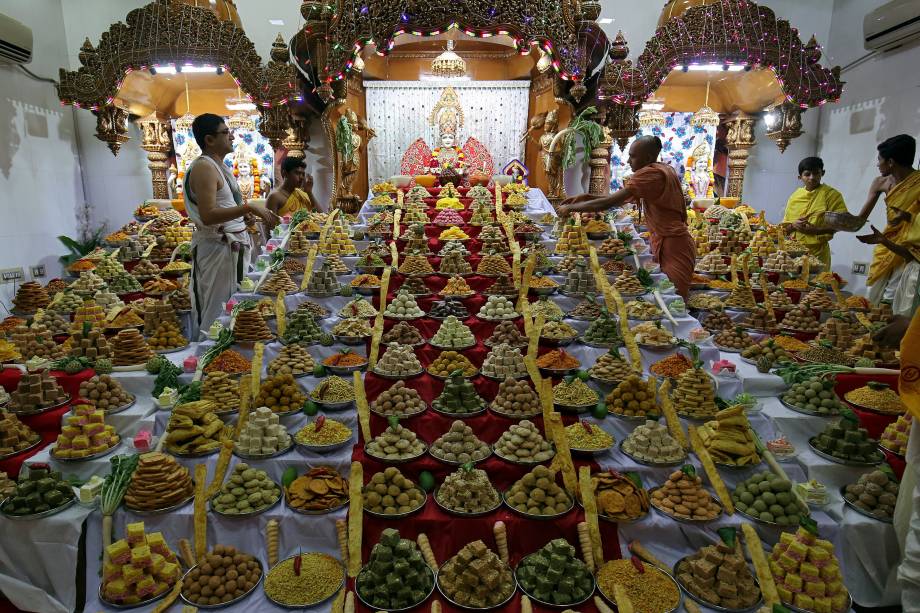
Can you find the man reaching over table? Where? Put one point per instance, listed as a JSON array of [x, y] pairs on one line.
[[296, 189], [657, 188], [214, 202]]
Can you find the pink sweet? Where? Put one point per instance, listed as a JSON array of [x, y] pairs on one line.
[[270, 247], [230, 304], [142, 440], [718, 367], [190, 364], [448, 217]]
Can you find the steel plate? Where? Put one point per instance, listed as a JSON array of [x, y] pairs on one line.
[[831, 458], [43, 514], [710, 605]]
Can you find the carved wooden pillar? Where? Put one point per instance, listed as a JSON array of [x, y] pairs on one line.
[[599, 183], [740, 139], [155, 140]]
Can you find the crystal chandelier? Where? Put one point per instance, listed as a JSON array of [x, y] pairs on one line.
[[184, 123], [705, 117], [448, 65]]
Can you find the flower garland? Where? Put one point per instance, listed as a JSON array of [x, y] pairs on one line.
[[691, 190], [436, 153]]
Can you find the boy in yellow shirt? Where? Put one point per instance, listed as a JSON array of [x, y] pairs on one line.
[[806, 207]]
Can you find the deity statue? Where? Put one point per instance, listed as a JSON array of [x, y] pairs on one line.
[[698, 177], [448, 158], [351, 164], [172, 185], [552, 160], [191, 153], [246, 171]]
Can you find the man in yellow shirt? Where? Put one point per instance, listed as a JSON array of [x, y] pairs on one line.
[[895, 271], [806, 207]]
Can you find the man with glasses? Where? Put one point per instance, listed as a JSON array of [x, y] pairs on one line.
[[221, 244]]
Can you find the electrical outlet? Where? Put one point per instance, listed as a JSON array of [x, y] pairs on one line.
[[11, 275], [859, 268], [38, 271]]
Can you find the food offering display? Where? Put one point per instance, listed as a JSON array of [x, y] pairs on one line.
[[459, 445], [522, 443], [396, 444], [375, 585], [158, 484], [141, 568], [398, 362], [729, 439], [651, 443], [633, 398], [262, 436], [224, 576], [682, 497], [467, 492], [652, 589], [807, 573], [304, 580], [35, 393], [319, 490], [85, 435], [874, 494], [15, 436], [194, 429], [391, 494], [770, 499], [247, 491], [39, 492], [555, 576], [537, 495], [845, 442], [719, 575], [281, 394], [106, 393]]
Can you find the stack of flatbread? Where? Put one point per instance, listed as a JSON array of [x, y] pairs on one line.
[[158, 482]]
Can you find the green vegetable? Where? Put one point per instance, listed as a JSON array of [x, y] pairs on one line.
[[190, 392], [310, 408], [728, 535], [583, 375], [319, 370], [426, 481], [599, 411], [290, 473], [168, 377]]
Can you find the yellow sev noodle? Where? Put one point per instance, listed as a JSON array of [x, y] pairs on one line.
[[320, 577]]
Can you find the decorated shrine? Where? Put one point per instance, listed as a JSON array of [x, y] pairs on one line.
[[439, 382]]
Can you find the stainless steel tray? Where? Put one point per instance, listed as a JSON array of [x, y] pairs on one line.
[[831, 458], [229, 603]]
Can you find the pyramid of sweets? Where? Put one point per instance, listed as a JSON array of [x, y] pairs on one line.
[[177, 234], [14, 435], [404, 334], [522, 442], [360, 307], [415, 265], [818, 299], [493, 240], [223, 390], [503, 286], [611, 367], [88, 284], [65, 303], [157, 313], [613, 248], [814, 264], [353, 327], [497, 308], [453, 247], [108, 268], [338, 239], [140, 567], [281, 394], [807, 573], [158, 482], [458, 396], [480, 193], [866, 348], [780, 300], [398, 400], [516, 399], [8, 353], [448, 217], [700, 236], [493, 265], [90, 343], [572, 240], [633, 397], [569, 263], [298, 243], [840, 331], [801, 320], [762, 244], [145, 269], [301, 328], [335, 262], [89, 312], [445, 308], [123, 283], [130, 348], [629, 284], [482, 213], [262, 434], [761, 319], [731, 243], [30, 297], [603, 331], [459, 445], [453, 233], [403, 306], [468, 491], [415, 239], [652, 442], [712, 264], [54, 322], [396, 443], [397, 361], [292, 360], [682, 496], [729, 439], [538, 250], [131, 249], [717, 321], [719, 575], [504, 361], [414, 214], [741, 297], [507, 333], [894, 438], [453, 334], [35, 342], [881, 313], [780, 261], [455, 264], [579, 281], [250, 326], [323, 282], [546, 307], [476, 578], [84, 433], [181, 299], [279, 281], [35, 391]]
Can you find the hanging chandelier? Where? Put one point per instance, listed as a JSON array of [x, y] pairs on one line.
[[651, 116], [705, 117], [449, 65], [239, 120], [184, 123]]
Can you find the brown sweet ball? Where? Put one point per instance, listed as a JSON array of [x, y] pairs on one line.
[[206, 569]]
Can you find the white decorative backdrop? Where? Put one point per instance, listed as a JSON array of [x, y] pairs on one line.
[[495, 113]]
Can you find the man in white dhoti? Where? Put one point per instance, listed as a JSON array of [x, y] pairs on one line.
[[220, 245]]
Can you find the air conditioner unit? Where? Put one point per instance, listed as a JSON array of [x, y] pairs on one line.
[[891, 25], [15, 41]]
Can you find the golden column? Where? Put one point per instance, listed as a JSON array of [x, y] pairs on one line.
[[155, 140], [599, 182], [740, 139]]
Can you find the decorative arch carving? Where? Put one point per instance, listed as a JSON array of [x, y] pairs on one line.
[[170, 31], [729, 31]]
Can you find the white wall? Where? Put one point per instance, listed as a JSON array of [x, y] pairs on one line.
[[880, 99], [40, 184]]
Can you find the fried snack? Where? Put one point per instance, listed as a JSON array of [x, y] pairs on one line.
[[456, 286], [558, 359], [493, 265], [230, 362], [319, 489], [729, 438], [250, 326], [618, 497], [682, 496], [324, 431], [224, 574], [611, 367], [694, 396], [194, 428], [30, 297]]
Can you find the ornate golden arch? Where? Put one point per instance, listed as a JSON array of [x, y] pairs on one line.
[[173, 32]]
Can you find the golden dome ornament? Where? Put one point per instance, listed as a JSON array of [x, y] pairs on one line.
[[449, 65], [184, 123], [705, 117], [651, 116]]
